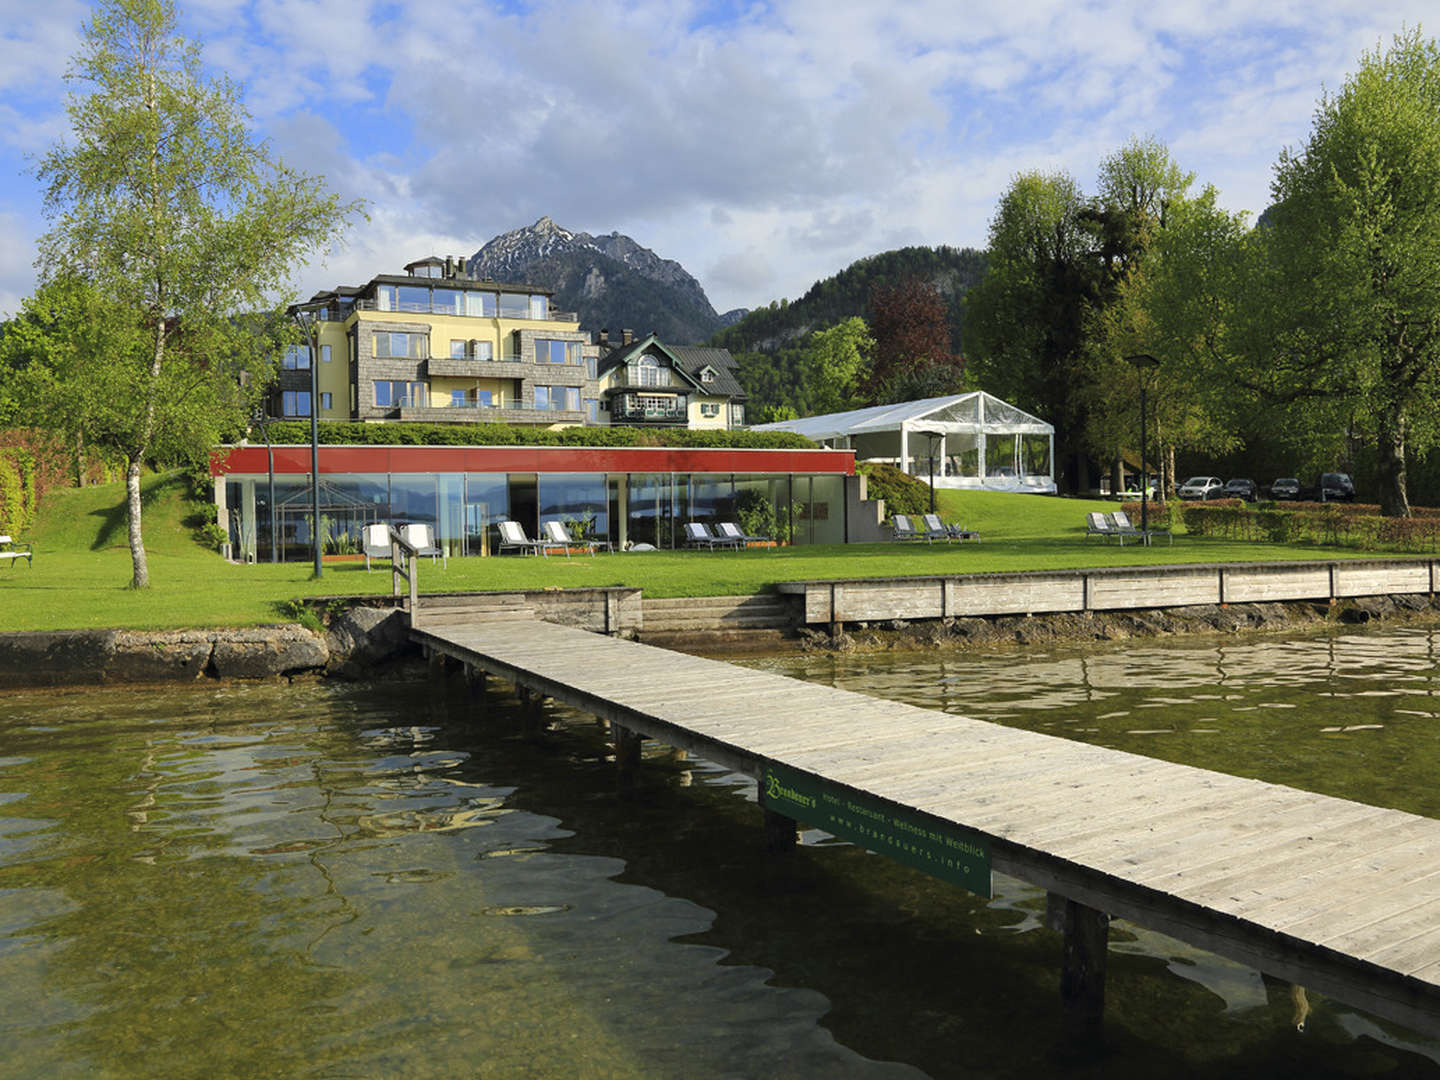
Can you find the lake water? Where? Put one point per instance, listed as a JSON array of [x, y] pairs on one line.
[[390, 880]]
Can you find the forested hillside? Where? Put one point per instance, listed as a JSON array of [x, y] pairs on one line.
[[769, 342], [770, 329]]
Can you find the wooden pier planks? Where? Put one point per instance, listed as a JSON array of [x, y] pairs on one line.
[[1338, 896]]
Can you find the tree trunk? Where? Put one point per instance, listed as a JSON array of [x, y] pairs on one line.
[[1169, 472], [1394, 499], [79, 460], [141, 578]]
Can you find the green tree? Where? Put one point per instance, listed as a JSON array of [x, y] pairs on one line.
[[1343, 303], [836, 364], [1025, 321], [179, 221], [1175, 306]]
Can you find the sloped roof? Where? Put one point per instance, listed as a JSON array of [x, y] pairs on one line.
[[689, 360], [975, 411]]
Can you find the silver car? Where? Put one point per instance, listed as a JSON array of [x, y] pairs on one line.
[[1201, 487]]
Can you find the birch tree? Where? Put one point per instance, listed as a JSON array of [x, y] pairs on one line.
[[180, 221]]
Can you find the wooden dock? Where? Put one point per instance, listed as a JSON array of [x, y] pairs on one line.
[[1331, 895]]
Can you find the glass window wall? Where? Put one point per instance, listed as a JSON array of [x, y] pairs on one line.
[[514, 305], [578, 500], [487, 502]]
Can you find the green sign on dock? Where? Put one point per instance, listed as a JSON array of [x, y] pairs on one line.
[[949, 852]]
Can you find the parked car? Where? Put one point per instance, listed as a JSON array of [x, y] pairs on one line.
[[1336, 487], [1201, 487], [1241, 489], [1287, 487]]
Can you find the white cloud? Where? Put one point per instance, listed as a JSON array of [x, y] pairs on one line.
[[762, 150]]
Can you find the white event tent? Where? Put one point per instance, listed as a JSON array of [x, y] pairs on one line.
[[976, 440]]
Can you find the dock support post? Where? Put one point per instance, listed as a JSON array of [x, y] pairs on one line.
[[475, 677], [627, 754], [1082, 975], [531, 711], [437, 663], [781, 832]]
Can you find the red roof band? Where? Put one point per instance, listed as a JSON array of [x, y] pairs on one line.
[[291, 459]]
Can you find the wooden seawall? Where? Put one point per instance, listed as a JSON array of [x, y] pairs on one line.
[[1333, 895], [1032, 592]]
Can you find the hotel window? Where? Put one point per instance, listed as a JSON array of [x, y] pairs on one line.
[[539, 307], [709, 408], [737, 414], [592, 410], [514, 305], [459, 348], [398, 345], [592, 367], [556, 352], [480, 303], [557, 397], [295, 403], [484, 350], [468, 399], [325, 354], [708, 375], [296, 358], [392, 392], [325, 401]]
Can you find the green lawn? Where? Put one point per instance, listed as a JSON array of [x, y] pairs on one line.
[[82, 566]]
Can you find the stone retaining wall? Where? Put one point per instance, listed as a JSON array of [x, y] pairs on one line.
[[356, 641]]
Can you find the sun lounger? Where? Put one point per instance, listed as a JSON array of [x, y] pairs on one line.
[[731, 531], [7, 551], [512, 535], [698, 534], [1122, 521], [375, 541], [932, 528], [421, 537], [1104, 525], [558, 534], [902, 529]]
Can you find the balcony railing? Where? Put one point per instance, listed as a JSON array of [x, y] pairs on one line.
[[641, 414], [410, 308]]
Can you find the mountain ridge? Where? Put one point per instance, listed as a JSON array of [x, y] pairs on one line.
[[610, 281]]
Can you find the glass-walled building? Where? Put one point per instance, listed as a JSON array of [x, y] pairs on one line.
[[625, 495]]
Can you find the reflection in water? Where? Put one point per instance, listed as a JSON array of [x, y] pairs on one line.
[[370, 881]]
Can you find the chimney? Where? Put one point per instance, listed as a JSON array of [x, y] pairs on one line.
[[449, 267], [627, 337], [605, 337]]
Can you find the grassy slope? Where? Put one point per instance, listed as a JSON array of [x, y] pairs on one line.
[[82, 566]]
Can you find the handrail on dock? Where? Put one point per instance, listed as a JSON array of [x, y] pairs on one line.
[[402, 567]]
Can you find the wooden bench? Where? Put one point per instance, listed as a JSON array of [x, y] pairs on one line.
[[7, 553]]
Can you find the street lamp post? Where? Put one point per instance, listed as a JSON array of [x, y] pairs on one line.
[[306, 315], [932, 436], [263, 422], [1144, 363]]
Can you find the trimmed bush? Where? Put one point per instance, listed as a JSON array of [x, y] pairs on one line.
[[903, 494], [1335, 524], [18, 497], [297, 432]]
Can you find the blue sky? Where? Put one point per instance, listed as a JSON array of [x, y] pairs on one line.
[[763, 145]]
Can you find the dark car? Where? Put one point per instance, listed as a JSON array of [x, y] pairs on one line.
[[1240, 489], [1336, 487], [1287, 487]]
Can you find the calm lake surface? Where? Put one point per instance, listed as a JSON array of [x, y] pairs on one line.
[[390, 880]]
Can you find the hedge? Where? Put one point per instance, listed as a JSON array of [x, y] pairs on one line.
[[1338, 524], [298, 432], [903, 493], [18, 496]]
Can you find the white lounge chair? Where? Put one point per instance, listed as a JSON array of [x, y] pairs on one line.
[[512, 535], [902, 529], [421, 537], [375, 540], [1122, 522], [934, 528], [1104, 525], [731, 531], [698, 534], [557, 533]]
